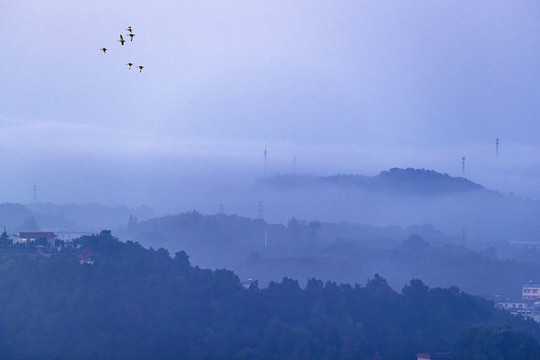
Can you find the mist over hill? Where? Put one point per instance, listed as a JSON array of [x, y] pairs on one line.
[[342, 252], [397, 197], [67, 217], [401, 181], [403, 197]]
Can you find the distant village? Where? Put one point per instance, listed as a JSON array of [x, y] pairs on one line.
[[528, 306], [45, 244]]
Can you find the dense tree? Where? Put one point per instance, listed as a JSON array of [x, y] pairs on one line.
[[5, 240], [140, 303]]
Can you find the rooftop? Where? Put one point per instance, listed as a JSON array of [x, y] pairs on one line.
[[35, 234]]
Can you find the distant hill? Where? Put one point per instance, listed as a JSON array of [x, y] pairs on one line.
[[341, 252], [404, 197], [405, 181], [67, 217]]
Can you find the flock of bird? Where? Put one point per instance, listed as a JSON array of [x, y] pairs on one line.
[[122, 42]]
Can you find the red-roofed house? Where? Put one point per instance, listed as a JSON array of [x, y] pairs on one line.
[[87, 257]]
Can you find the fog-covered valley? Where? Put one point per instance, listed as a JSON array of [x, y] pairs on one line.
[[401, 224], [269, 180]]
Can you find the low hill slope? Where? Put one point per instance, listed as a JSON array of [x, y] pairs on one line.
[[404, 197], [140, 304]]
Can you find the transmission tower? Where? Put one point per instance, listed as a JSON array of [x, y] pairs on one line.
[[265, 153], [34, 194], [260, 210]]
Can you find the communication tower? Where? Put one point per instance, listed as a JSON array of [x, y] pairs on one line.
[[265, 154]]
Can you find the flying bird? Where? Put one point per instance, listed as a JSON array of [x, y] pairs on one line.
[[122, 41], [104, 50], [129, 29], [129, 65], [131, 36], [140, 67]]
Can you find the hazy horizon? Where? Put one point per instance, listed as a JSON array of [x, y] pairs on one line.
[[344, 87]]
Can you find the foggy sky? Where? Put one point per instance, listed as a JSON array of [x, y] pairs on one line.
[[345, 86]]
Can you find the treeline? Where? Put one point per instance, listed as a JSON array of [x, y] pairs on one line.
[[341, 252], [69, 217], [140, 304], [405, 181]]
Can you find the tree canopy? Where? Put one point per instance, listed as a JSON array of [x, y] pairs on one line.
[[142, 303]]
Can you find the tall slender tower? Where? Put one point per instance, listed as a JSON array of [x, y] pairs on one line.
[[497, 146], [463, 165], [265, 153], [34, 194]]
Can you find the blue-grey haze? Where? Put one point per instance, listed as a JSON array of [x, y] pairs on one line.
[[344, 86]]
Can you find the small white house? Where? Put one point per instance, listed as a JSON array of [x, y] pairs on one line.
[[43, 238]]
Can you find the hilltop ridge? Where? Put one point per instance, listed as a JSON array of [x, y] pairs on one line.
[[409, 180]]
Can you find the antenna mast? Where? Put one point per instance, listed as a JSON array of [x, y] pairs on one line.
[[34, 194], [265, 161], [260, 210]]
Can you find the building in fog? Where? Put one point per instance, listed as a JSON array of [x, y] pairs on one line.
[[528, 306], [36, 238], [530, 292]]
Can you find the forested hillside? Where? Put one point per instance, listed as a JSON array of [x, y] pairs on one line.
[[341, 252], [139, 304]]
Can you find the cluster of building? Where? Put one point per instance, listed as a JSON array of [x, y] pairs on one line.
[[47, 244], [528, 306], [39, 238]]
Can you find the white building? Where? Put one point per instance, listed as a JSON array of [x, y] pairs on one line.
[[39, 238]]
